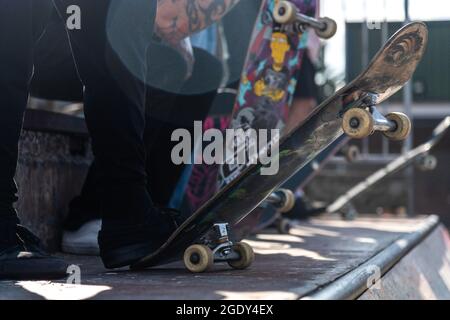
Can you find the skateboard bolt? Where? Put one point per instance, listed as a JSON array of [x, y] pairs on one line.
[[282, 11], [354, 123], [195, 258]]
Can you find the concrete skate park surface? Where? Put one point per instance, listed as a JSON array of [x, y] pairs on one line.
[[327, 258]]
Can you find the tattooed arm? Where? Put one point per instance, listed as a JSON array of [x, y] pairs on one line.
[[177, 19]]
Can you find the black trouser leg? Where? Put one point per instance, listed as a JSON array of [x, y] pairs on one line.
[[169, 112], [110, 54], [86, 206], [16, 65]]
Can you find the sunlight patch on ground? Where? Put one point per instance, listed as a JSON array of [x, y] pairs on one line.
[[302, 231], [366, 240], [279, 237], [379, 225], [273, 248], [266, 245], [259, 295], [61, 291]]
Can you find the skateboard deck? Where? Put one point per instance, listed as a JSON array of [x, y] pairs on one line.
[[265, 94], [273, 210], [419, 153], [202, 239]]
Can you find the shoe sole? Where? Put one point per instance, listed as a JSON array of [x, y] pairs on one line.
[[125, 256]]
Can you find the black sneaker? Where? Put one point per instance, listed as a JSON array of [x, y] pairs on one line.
[[122, 246], [25, 259]]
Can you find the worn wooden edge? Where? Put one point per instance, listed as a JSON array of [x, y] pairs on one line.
[[53, 122], [353, 284]]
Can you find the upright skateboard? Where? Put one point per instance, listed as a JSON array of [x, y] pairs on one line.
[[266, 88], [203, 239]]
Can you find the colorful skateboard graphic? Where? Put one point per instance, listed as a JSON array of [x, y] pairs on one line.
[[265, 93]]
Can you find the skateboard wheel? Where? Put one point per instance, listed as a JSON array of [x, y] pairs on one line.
[[358, 123], [289, 200], [198, 258], [330, 28], [403, 126], [284, 226], [284, 12], [247, 256], [427, 163], [352, 153]]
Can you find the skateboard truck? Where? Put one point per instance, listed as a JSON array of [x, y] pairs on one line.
[[218, 248], [283, 200], [286, 13], [362, 121]]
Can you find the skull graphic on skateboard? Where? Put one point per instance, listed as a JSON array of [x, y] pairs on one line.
[[266, 88]]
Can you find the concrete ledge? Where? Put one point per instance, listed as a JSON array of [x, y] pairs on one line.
[[54, 156]]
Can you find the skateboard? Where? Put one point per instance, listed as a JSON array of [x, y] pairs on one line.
[[420, 156], [266, 88], [283, 200], [204, 238]]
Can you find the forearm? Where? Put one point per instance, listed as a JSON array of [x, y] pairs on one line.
[[177, 19]]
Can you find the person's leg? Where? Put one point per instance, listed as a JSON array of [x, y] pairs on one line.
[[55, 76], [16, 65], [169, 112], [110, 55]]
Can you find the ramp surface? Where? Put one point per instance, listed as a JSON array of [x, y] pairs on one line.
[[322, 258]]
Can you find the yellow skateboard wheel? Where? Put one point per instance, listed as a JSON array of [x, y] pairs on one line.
[[358, 123], [403, 126], [247, 256], [198, 258]]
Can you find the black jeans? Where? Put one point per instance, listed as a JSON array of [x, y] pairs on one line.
[[110, 55], [16, 67], [171, 107]]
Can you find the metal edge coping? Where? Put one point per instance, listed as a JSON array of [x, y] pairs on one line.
[[354, 283]]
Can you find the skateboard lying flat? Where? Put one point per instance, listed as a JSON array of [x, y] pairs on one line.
[[266, 88], [203, 239], [420, 155]]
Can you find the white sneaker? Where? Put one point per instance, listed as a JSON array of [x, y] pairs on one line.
[[83, 241]]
